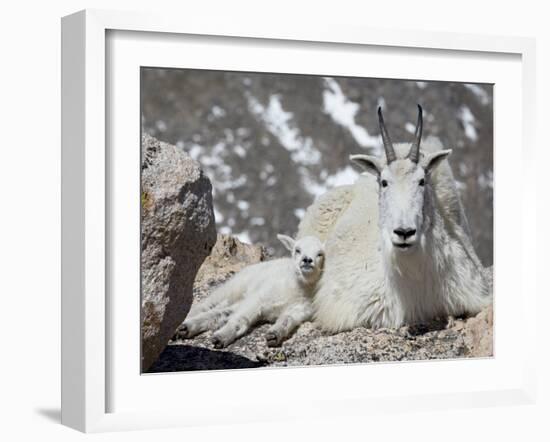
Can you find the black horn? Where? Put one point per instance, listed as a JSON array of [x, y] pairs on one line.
[[388, 146], [414, 153]]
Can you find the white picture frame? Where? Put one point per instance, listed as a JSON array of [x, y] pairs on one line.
[[86, 317]]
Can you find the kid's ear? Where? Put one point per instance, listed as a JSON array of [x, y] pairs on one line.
[[287, 241], [432, 160], [367, 163]]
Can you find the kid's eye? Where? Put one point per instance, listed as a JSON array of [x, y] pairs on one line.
[[298, 251], [421, 182], [384, 183], [320, 255]]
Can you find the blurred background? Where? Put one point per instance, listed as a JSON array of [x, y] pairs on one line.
[[272, 143]]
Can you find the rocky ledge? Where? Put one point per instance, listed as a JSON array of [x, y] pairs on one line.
[[465, 337]]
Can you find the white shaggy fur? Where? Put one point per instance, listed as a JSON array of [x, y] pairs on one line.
[[278, 291], [368, 280]]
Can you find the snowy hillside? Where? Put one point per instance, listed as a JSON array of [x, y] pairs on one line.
[[272, 143]]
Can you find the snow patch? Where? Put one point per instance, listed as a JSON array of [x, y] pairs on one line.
[[257, 221], [243, 205], [341, 178], [460, 185], [479, 92], [231, 183], [346, 176], [217, 112], [160, 125], [194, 151], [468, 122], [343, 112], [485, 180], [243, 132], [314, 188], [224, 230], [219, 172], [299, 213], [239, 150], [409, 127], [218, 216], [463, 169], [278, 123], [243, 237]]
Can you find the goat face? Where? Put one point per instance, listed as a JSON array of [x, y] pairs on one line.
[[404, 184], [401, 202], [308, 255]]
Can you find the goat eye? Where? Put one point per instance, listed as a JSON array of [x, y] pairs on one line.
[[421, 182], [298, 251], [320, 255], [384, 183]]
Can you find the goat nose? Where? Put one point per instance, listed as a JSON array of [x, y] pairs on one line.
[[307, 260], [404, 232]]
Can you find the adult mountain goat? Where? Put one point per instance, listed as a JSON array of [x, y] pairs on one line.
[[398, 247]]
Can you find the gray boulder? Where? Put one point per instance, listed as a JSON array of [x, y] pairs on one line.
[[177, 234]]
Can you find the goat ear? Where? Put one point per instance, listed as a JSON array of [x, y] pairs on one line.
[[287, 241], [367, 163], [432, 160]]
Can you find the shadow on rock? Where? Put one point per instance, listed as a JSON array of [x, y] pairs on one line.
[[437, 324], [189, 358]]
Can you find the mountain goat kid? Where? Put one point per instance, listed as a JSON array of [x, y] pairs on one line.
[[278, 291], [398, 247]]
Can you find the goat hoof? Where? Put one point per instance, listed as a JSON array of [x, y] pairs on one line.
[[272, 340], [451, 322], [183, 332], [217, 342]]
